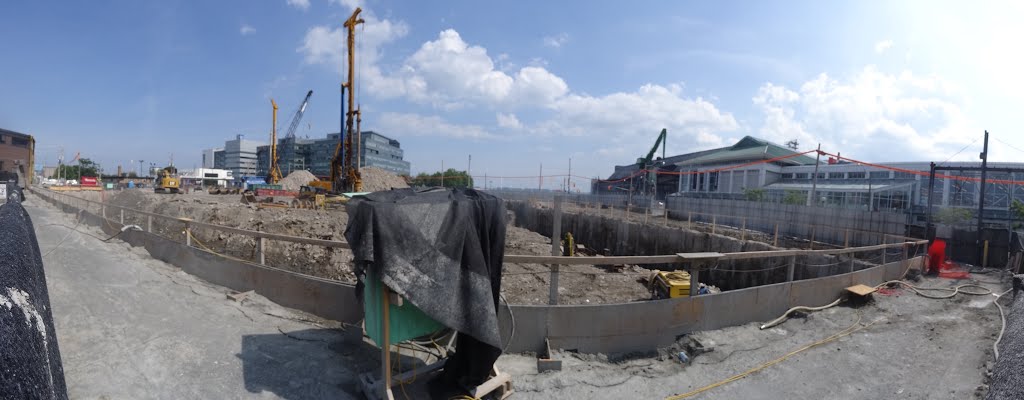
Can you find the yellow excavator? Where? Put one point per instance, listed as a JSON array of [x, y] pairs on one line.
[[167, 181]]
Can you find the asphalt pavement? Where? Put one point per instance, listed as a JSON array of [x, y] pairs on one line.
[[131, 327]]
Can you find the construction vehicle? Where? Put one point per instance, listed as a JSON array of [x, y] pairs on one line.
[[167, 181], [649, 165], [345, 176], [274, 174]]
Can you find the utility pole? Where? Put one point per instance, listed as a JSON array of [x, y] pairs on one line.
[[568, 179], [981, 199], [814, 180], [540, 177]]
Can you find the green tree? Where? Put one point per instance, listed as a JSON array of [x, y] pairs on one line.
[[452, 178], [953, 215], [1017, 209], [795, 197], [84, 167], [754, 194]]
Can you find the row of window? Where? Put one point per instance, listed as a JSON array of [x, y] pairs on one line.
[[851, 175]]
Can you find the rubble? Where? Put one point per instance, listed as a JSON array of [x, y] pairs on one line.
[[296, 180]]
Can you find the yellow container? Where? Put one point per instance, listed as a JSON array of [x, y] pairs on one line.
[[672, 284]]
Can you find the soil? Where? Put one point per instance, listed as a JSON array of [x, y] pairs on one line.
[[376, 179], [296, 180], [522, 283]]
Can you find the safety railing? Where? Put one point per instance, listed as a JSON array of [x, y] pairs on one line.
[[693, 262]]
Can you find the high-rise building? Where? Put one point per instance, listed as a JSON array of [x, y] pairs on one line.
[[314, 155], [209, 156], [240, 156]]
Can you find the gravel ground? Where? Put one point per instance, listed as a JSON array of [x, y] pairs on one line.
[[915, 348]]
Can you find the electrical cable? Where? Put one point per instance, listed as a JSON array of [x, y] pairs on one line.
[[845, 332], [961, 150], [78, 220], [1002, 328], [785, 315], [512, 320]]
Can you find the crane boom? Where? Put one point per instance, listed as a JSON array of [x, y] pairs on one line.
[[345, 175], [297, 117], [274, 175]]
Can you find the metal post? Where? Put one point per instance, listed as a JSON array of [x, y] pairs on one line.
[[556, 234], [981, 195], [852, 258], [714, 223], [689, 220], [149, 223], [846, 238], [905, 261], [792, 268], [122, 216], [814, 180], [188, 234], [263, 250], [885, 250], [775, 242], [743, 230], [984, 256], [814, 229], [929, 230], [694, 279]]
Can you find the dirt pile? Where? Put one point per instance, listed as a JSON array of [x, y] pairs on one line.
[[297, 179], [376, 179]]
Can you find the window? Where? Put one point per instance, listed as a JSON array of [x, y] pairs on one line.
[[836, 175], [903, 175], [855, 175], [821, 175], [801, 175], [879, 175]]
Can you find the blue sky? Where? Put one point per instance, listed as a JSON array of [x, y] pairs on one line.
[[517, 84]]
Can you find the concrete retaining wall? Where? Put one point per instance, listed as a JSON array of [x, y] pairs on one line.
[[605, 328], [647, 325], [634, 238], [829, 224]]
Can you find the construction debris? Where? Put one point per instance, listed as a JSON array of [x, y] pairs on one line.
[[296, 180], [376, 179]]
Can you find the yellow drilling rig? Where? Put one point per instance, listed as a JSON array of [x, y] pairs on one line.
[[345, 176]]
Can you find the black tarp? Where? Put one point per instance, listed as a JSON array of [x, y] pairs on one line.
[[442, 251], [30, 364]]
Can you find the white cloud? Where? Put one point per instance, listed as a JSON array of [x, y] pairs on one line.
[[449, 73], [406, 124], [300, 4], [882, 46], [508, 121], [247, 29], [350, 4], [872, 115], [556, 41], [326, 45]]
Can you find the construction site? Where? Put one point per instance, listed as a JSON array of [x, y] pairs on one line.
[[319, 268]]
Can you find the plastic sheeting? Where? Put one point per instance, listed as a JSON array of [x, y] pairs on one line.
[[30, 363]]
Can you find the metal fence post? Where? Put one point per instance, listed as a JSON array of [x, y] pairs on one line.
[[149, 223], [885, 250], [263, 250], [714, 223], [122, 216], [188, 234], [775, 242], [852, 258], [792, 268], [846, 238], [556, 250], [689, 220]]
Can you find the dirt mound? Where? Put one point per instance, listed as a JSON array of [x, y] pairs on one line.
[[376, 179], [297, 179]]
